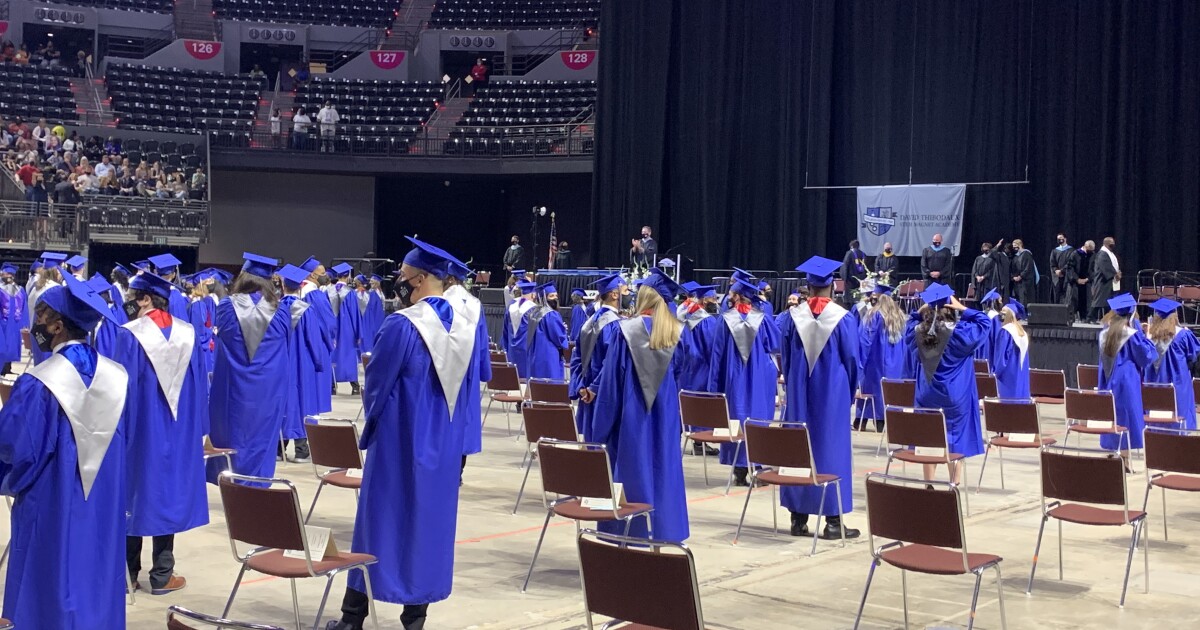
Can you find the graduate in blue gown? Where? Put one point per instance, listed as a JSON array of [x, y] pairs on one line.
[[820, 361], [167, 266], [167, 405], [635, 401], [251, 373], [12, 317], [579, 313], [742, 367], [546, 338], [1009, 358], [944, 341], [587, 357], [990, 304], [319, 400], [349, 321], [201, 314], [50, 275], [415, 384], [882, 353], [66, 474], [515, 332], [370, 311], [470, 308], [305, 347], [700, 317], [107, 331], [1177, 350], [1124, 352], [75, 265]]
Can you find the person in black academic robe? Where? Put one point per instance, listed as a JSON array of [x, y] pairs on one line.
[[983, 271], [1105, 277], [1060, 260], [1083, 270], [937, 263], [1024, 274], [1002, 254], [886, 262], [854, 269]]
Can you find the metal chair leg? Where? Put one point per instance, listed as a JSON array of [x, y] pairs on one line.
[[737, 450], [741, 520], [1036, 549], [1000, 593], [1146, 552], [237, 583], [983, 467], [324, 598], [882, 439], [1000, 454], [537, 550], [867, 589], [904, 594], [316, 496], [370, 597], [837, 487], [1164, 514], [128, 584], [774, 511], [1060, 551], [296, 605], [817, 532], [974, 601], [1133, 542], [521, 492], [704, 462]]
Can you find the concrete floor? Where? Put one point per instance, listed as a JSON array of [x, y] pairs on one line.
[[763, 582]]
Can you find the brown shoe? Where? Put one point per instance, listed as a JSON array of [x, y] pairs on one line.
[[174, 584]]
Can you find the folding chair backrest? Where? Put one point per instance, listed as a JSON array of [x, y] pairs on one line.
[[5, 391], [1173, 451], [915, 427], [203, 621], [985, 385], [1072, 475], [899, 392], [652, 584], [499, 356], [1088, 376], [1158, 397], [544, 390], [264, 517], [1047, 383], [575, 469], [27, 339], [1012, 416], [778, 444], [504, 378], [699, 409], [333, 444], [550, 420], [365, 358], [892, 503], [1196, 390], [981, 367], [1090, 405]]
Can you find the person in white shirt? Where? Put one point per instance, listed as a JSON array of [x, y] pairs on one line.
[[300, 124], [104, 168], [70, 143], [328, 118], [276, 128], [41, 132]]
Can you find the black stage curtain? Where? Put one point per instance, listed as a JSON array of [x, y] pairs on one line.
[[714, 115]]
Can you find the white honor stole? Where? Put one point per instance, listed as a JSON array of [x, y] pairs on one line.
[[168, 357], [815, 330], [1022, 342], [450, 352], [92, 411], [464, 303], [516, 313]]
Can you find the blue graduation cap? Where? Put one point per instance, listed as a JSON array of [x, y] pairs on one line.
[[579, 292], [762, 286], [35, 265], [662, 284], [76, 301], [740, 273], [1163, 307], [8, 268], [76, 262], [525, 286], [937, 295], [430, 258], [518, 273], [458, 269], [151, 283], [609, 283], [1016, 307], [165, 263], [704, 291], [341, 269], [293, 276], [743, 287], [141, 265], [548, 289], [376, 278], [1123, 304], [361, 279], [50, 260], [990, 295], [311, 264], [123, 269], [690, 286], [819, 271], [882, 289], [99, 283], [260, 266]]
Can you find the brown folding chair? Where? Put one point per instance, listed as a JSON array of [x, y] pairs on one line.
[[1175, 454], [362, 402], [498, 356], [1158, 402], [574, 471], [921, 434], [500, 389], [1078, 480], [1087, 376], [333, 445], [1015, 424], [177, 614], [6, 624], [5, 391], [267, 516], [211, 452], [785, 449], [547, 390], [982, 367], [648, 583], [935, 543], [985, 385], [544, 420], [1092, 412], [897, 392], [710, 413], [483, 278], [1047, 386]]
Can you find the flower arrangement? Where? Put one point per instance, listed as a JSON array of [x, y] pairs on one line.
[[867, 284]]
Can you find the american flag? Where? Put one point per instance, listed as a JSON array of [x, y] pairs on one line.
[[553, 242]]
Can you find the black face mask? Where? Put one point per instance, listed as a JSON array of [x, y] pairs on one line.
[[888, 250], [552, 304], [404, 292], [42, 337], [1062, 241], [627, 302], [131, 309]]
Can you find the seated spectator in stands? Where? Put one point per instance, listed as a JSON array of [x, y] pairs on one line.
[[72, 142], [161, 189], [112, 146], [51, 56], [123, 168], [176, 186], [65, 193], [22, 56], [52, 144], [128, 185], [27, 171], [328, 118], [199, 184], [40, 132], [68, 162], [300, 124], [257, 73], [84, 166], [109, 186], [7, 139], [55, 160], [28, 145], [10, 161], [18, 127], [8, 52], [104, 168], [89, 183], [93, 146]]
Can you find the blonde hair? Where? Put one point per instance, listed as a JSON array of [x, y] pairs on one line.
[[1112, 341], [893, 317], [1007, 316], [1162, 328], [199, 290], [48, 274], [665, 328]]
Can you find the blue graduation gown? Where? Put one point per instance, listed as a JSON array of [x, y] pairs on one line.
[[545, 344], [952, 386], [304, 345], [30, 312], [1009, 363], [177, 304], [1171, 366], [984, 351], [408, 507], [246, 400], [165, 462], [880, 358], [579, 315], [345, 350], [1122, 376], [821, 398], [371, 318], [513, 336], [320, 399], [694, 376], [104, 339], [749, 385], [68, 552], [200, 316], [584, 370], [12, 320], [642, 440]]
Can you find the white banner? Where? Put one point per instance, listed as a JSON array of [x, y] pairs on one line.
[[909, 216]]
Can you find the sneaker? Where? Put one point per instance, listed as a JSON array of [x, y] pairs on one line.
[[301, 455], [302, 458], [176, 583], [355, 390], [739, 477]]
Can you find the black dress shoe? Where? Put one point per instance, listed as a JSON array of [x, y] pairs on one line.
[[339, 625], [832, 531], [333, 390], [739, 477], [800, 525], [699, 448], [355, 390]]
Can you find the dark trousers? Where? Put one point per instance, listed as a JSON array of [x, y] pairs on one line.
[[162, 556], [356, 606]]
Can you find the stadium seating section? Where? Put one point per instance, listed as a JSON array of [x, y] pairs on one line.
[[373, 112], [172, 156], [525, 118], [153, 6], [33, 92], [184, 101], [515, 14], [373, 13]]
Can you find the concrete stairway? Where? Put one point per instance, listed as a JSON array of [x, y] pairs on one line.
[[194, 20], [408, 25], [438, 128], [88, 96]]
